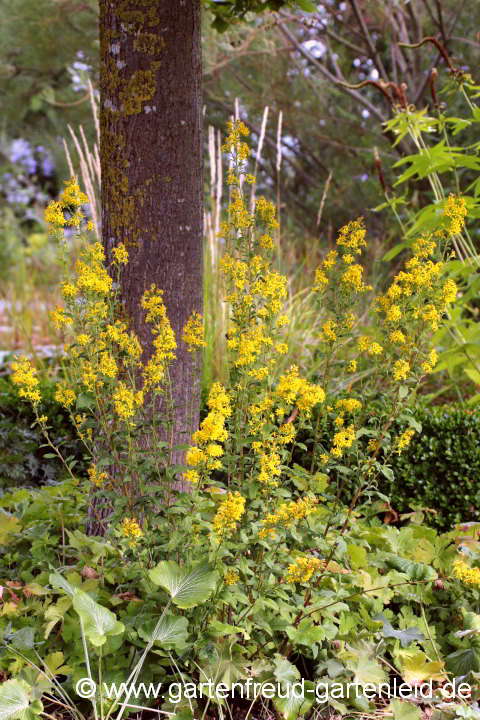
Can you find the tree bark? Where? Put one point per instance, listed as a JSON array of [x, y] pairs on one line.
[[152, 167]]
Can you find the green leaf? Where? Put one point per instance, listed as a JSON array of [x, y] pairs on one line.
[[8, 524], [99, 622], [393, 252], [403, 710], [306, 633], [298, 700], [284, 671], [188, 586], [415, 571], [367, 670], [169, 630], [219, 629], [16, 701], [461, 662], [24, 639], [58, 582], [306, 5], [406, 637]]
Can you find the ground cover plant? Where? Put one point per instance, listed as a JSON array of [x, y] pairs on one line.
[[240, 564]]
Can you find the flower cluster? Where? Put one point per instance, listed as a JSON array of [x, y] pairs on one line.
[[23, 376], [231, 577], [70, 200], [164, 338], [403, 440], [294, 390], [193, 333], [233, 142], [466, 574], [228, 514], [126, 401], [288, 513], [456, 211], [96, 478], [204, 455], [302, 569], [132, 530]]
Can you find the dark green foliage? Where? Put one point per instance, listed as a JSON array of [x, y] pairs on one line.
[[22, 461], [439, 470]]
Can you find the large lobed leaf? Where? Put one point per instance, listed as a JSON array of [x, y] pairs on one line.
[[188, 586]]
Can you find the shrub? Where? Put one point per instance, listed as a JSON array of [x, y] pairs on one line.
[[441, 468], [260, 567], [23, 461], [438, 470]]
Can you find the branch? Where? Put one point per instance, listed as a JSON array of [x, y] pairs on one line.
[[368, 39], [326, 73]]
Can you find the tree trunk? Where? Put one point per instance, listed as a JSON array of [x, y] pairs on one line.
[[152, 167]]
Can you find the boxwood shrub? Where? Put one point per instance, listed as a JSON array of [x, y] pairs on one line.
[[22, 460], [439, 470]]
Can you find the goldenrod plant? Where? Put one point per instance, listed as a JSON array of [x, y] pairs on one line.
[[260, 570]]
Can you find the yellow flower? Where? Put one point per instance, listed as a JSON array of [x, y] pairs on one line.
[[269, 469], [363, 343], [58, 317], [43, 419], [397, 336], [68, 290], [95, 477], [353, 235], [267, 212], [352, 366], [288, 513], [193, 333], [64, 395], [295, 390], [267, 242], [23, 376], [89, 377], [107, 365], [430, 363], [72, 195], [329, 334], [394, 314], [331, 260], [131, 529], [349, 404], [233, 141], [468, 575], [353, 277], [321, 280], [231, 577], [302, 569], [195, 456], [83, 339], [120, 254], [228, 514], [192, 476], [403, 440], [401, 370], [126, 401], [375, 349], [54, 216], [449, 292], [456, 210], [343, 439]]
